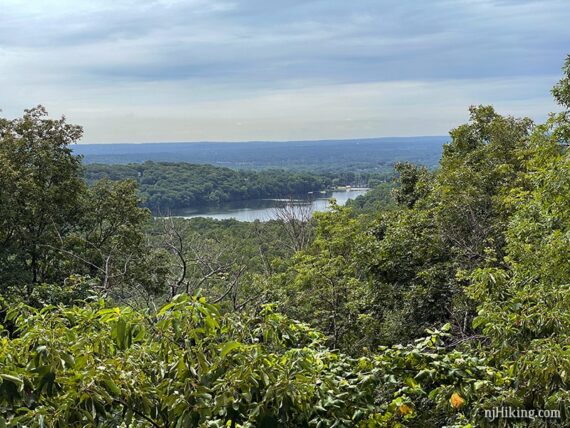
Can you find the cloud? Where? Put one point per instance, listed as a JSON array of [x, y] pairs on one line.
[[127, 56], [162, 111]]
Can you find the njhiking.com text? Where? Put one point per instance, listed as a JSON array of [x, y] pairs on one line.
[[517, 413]]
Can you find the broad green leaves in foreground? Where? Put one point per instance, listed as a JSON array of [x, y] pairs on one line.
[[188, 365]]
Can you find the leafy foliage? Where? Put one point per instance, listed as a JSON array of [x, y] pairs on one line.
[[474, 254], [407, 263], [524, 308], [378, 198], [53, 226], [167, 186], [40, 186], [189, 365]]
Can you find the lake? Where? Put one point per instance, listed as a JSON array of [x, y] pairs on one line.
[[265, 209]]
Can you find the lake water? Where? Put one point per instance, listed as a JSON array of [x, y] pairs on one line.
[[265, 209]]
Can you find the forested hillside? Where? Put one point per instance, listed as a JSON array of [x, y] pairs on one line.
[[426, 305], [165, 186]]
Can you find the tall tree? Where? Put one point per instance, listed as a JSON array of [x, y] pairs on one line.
[[524, 303], [109, 243], [40, 183]]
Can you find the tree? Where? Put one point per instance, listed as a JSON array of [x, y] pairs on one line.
[[403, 271], [524, 303], [483, 161], [109, 242], [561, 90], [53, 226], [326, 284], [40, 184], [295, 219], [451, 222], [412, 183]]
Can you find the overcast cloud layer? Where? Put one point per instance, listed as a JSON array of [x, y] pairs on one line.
[[168, 70]]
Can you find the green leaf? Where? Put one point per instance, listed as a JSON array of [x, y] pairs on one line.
[[13, 379], [229, 347]]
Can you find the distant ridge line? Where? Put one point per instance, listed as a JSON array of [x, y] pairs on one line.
[[326, 140], [354, 154]]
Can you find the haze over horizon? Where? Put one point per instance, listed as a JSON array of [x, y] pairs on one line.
[[315, 140], [221, 70]]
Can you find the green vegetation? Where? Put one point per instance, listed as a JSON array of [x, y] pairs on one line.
[[379, 197], [165, 186], [425, 303]]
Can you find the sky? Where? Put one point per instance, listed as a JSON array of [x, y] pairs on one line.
[[223, 70]]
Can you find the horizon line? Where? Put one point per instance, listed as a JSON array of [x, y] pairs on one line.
[[265, 141]]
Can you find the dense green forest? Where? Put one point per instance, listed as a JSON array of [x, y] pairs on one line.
[[429, 302], [165, 186], [379, 197]]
